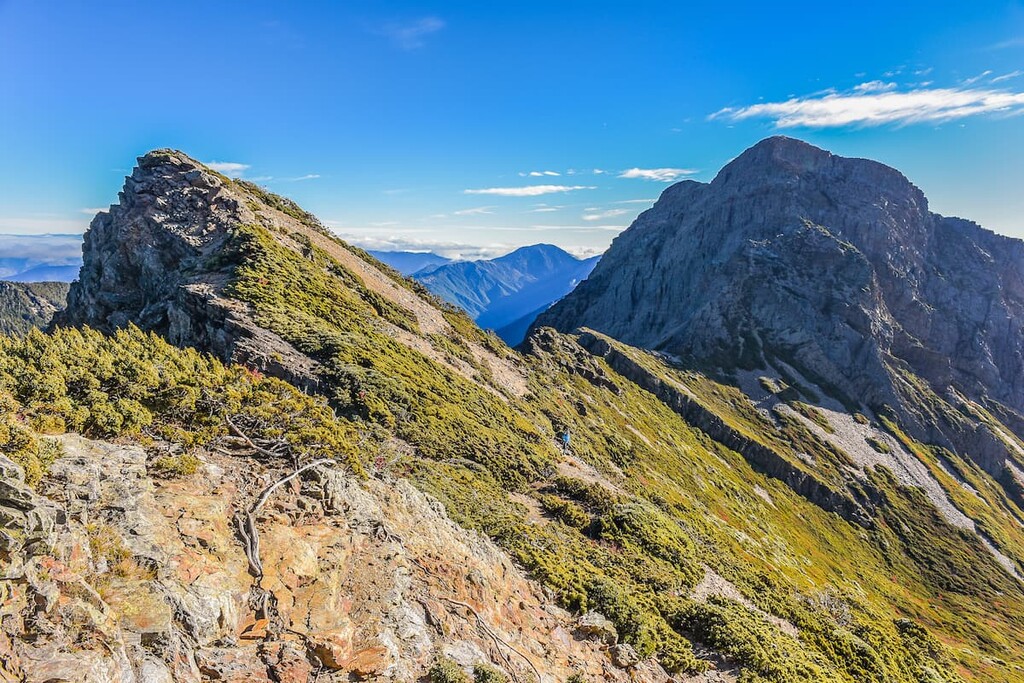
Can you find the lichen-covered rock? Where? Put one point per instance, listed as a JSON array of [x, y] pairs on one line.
[[623, 655], [596, 625], [26, 519]]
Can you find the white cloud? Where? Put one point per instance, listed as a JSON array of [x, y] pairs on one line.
[[92, 212], [54, 249], [872, 108], [308, 176], [1007, 77], [581, 252], [539, 174], [411, 35], [232, 169], [875, 86], [661, 175], [529, 190], [637, 201], [974, 79], [452, 250], [597, 215], [478, 211]]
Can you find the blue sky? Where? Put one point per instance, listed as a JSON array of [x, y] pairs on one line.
[[418, 125]]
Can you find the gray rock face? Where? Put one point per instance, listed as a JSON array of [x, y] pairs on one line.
[[832, 265], [157, 260], [169, 220]]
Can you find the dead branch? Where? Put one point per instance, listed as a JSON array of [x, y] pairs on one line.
[[247, 523], [249, 442], [498, 640]]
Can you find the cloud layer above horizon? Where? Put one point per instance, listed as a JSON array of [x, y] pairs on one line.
[[878, 103]]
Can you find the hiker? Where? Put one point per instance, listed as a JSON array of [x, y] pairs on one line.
[[565, 441]]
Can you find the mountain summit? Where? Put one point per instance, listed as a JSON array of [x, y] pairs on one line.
[[834, 267]]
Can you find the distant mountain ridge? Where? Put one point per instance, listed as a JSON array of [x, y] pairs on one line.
[[40, 258], [24, 305], [505, 294], [409, 262]]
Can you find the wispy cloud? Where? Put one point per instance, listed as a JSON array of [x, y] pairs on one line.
[[1010, 43], [637, 201], [232, 169], [1007, 77], [599, 215], [875, 108], [92, 212], [452, 250], [477, 211], [299, 179], [529, 190], [875, 86], [411, 35], [974, 79], [539, 174], [661, 175]]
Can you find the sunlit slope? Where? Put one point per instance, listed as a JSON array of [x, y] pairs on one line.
[[734, 522]]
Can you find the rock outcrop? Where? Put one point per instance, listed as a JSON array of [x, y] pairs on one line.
[[833, 266], [128, 577], [157, 260]]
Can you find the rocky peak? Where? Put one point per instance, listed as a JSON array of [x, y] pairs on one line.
[[833, 266], [160, 259], [173, 213]]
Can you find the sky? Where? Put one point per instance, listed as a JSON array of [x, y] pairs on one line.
[[470, 128]]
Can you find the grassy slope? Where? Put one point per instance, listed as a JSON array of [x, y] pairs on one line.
[[673, 502]]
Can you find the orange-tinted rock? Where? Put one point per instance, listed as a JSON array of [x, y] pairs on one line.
[[287, 662], [336, 651]]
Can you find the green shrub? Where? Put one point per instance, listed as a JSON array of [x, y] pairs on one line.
[[566, 511], [485, 673], [175, 466], [444, 670], [878, 445]]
